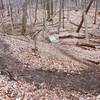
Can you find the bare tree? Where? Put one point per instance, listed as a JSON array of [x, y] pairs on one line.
[[86, 11], [63, 17], [1, 20], [1, 5], [48, 9], [86, 28], [36, 8], [60, 14], [11, 16], [96, 7], [24, 17]]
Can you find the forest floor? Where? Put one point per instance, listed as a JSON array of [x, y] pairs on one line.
[[55, 71]]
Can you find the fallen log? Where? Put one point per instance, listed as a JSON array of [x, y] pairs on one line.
[[71, 36], [86, 45], [93, 61]]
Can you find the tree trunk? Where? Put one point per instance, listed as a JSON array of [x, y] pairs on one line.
[[86, 11], [1, 5], [11, 14], [51, 7], [48, 9], [24, 17], [60, 14], [96, 7], [63, 12], [36, 8]]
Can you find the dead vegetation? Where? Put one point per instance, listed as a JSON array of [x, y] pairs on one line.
[[48, 52]]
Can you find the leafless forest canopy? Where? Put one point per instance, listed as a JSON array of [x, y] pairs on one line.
[[27, 12]]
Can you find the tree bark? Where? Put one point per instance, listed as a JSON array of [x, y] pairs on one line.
[[60, 14], [2, 5], [11, 14], [36, 8], [24, 17], [86, 11], [96, 11]]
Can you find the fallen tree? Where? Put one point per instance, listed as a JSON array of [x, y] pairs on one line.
[[89, 45]]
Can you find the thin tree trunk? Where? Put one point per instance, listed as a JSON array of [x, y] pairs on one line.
[[24, 17], [51, 7], [48, 9], [36, 8], [60, 14], [51, 10], [2, 23], [86, 11], [11, 16], [2, 5], [63, 12], [96, 7], [44, 17], [86, 29], [68, 10]]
